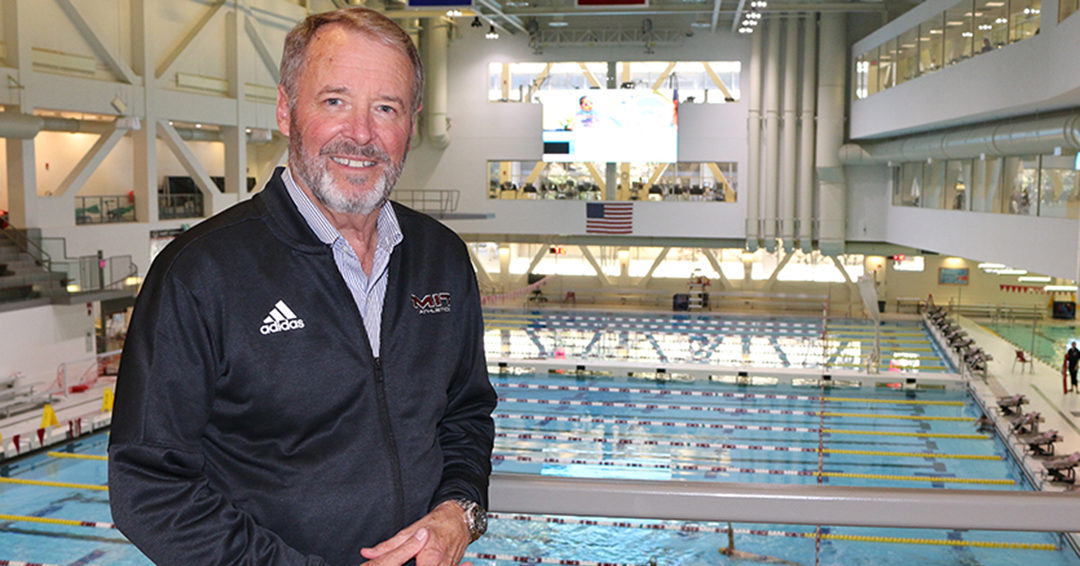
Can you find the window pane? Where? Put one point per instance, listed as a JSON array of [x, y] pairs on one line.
[[933, 184], [1060, 187], [1067, 8], [911, 184], [958, 33], [987, 179], [1021, 174], [991, 24], [887, 57], [1024, 19], [957, 182], [931, 36], [908, 52]]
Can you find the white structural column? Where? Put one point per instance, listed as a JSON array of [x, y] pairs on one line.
[[751, 189], [805, 189], [433, 48], [144, 140], [787, 156], [21, 174], [832, 198], [771, 162], [234, 134]]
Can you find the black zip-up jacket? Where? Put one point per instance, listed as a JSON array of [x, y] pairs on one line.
[[248, 433]]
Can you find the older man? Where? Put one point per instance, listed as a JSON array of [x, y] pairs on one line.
[[304, 379]]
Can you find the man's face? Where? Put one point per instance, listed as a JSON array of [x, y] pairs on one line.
[[350, 122]]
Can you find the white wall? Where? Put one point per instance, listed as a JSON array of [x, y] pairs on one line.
[[867, 203], [1044, 245], [44, 336]]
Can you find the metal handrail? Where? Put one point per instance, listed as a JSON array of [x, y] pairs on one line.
[[786, 504], [24, 243], [437, 200]]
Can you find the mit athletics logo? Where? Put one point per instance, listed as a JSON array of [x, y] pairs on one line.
[[432, 303], [281, 319]]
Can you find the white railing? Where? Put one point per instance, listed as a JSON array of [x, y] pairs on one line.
[[787, 504]]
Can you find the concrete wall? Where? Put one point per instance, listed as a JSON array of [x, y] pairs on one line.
[[47, 335]]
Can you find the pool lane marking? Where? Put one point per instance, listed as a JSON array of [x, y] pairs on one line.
[[688, 393], [720, 426], [75, 456], [740, 470], [53, 521], [697, 528], [726, 410], [21, 563], [19, 481], [539, 559], [730, 446]]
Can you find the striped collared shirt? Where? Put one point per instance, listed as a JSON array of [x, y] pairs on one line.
[[368, 292]]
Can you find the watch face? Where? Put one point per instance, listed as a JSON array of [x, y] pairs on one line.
[[480, 526]]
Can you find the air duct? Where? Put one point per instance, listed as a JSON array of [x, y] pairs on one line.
[[832, 189], [26, 126], [772, 134], [806, 135], [434, 40], [753, 127], [786, 192], [1016, 137]]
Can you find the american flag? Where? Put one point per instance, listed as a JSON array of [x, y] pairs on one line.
[[609, 218]]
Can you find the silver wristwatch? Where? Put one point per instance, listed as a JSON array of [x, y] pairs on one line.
[[475, 517]]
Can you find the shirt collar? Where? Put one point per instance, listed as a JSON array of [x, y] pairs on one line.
[[389, 231]]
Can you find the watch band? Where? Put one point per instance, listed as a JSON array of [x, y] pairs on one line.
[[475, 517]]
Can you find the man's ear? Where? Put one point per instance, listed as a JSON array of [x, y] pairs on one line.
[[415, 126], [282, 112]]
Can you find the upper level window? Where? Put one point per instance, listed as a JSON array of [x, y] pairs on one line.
[[965, 29], [712, 82]]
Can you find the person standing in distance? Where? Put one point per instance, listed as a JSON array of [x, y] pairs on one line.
[[304, 380], [1072, 362]]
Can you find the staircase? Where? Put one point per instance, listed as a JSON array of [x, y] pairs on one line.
[[22, 278]]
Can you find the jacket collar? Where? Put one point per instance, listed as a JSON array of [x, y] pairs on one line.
[[285, 221]]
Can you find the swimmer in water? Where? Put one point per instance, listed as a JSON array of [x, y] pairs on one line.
[[741, 556]]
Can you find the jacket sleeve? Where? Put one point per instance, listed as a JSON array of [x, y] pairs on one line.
[[467, 432], [159, 494]]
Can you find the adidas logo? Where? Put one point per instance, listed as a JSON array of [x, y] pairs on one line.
[[281, 319]]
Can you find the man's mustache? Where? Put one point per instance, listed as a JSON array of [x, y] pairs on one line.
[[351, 149]]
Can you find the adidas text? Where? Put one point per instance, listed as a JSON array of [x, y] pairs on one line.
[[281, 326]]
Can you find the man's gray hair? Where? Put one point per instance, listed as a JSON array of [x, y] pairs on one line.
[[363, 20]]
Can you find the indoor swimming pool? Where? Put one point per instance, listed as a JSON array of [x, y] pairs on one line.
[[1047, 340], [605, 426], [711, 339]]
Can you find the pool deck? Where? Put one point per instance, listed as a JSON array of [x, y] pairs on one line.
[[1039, 382]]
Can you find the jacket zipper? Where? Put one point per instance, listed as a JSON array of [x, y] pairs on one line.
[[388, 431]]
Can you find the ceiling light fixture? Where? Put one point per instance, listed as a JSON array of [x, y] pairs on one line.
[[453, 12], [492, 34], [476, 22]]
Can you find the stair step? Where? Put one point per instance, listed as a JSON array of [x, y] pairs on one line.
[[38, 277]]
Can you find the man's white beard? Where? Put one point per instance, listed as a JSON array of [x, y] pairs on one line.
[[315, 173]]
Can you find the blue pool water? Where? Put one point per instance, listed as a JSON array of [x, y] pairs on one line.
[[602, 426], [722, 340]]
